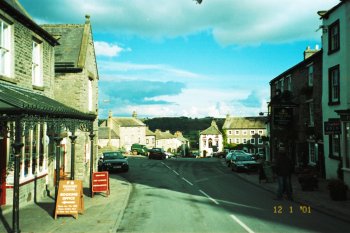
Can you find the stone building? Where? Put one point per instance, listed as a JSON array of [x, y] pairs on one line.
[[32, 122], [76, 85], [336, 90], [296, 111], [210, 140], [130, 130], [247, 132], [150, 139], [166, 140]]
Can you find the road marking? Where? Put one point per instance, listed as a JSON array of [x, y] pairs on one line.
[[166, 165], [242, 224], [176, 172], [212, 199], [187, 181]]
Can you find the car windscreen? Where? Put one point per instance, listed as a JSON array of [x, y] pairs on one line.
[[244, 158], [113, 155]]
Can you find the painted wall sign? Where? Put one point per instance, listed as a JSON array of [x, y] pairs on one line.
[[332, 127]]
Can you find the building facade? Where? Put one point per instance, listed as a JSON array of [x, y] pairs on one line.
[[296, 103], [210, 140], [336, 94], [247, 132], [76, 85], [32, 122]]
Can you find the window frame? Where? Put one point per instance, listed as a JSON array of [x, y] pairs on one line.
[[333, 90], [6, 41], [334, 147], [37, 63], [334, 39], [310, 75]]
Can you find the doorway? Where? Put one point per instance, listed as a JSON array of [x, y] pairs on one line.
[[3, 163]]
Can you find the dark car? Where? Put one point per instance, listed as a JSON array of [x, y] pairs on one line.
[[244, 163], [156, 153], [113, 161]]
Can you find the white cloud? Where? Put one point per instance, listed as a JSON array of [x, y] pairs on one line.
[[231, 22], [105, 49]]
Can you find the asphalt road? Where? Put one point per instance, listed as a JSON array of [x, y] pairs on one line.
[[203, 195]]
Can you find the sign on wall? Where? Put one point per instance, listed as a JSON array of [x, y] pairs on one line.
[[282, 116], [333, 126]]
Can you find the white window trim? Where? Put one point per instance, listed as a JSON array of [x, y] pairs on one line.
[[6, 47], [37, 64]]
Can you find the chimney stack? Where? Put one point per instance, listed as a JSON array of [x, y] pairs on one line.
[[309, 52]]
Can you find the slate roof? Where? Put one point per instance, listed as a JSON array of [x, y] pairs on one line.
[[70, 37], [212, 130], [245, 123], [17, 100], [16, 10], [150, 132], [127, 122], [164, 135], [103, 133]]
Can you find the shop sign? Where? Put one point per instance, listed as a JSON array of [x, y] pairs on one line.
[[100, 182], [69, 198], [332, 127], [282, 116]]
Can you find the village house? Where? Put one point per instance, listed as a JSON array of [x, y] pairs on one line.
[[166, 140], [150, 139], [130, 130], [296, 103], [108, 138], [336, 90], [76, 85], [32, 122], [210, 140], [246, 131]]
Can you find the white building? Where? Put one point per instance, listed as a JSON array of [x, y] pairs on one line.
[[129, 129], [210, 140], [336, 89]]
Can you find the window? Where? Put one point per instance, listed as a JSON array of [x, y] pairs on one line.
[[260, 141], [244, 132], [210, 142], [252, 141], [5, 48], [237, 141], [37, 70], [311, 114], [289, 82], [310, 77], [229, 132], [334, 146], [147, 141], [334, 37], [252, 132], [244, 141], [347, 144], [312, 153], [90, 95], [260, 132], [334, 87], [236, 132]]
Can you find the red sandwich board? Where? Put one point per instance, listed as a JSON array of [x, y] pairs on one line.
[[100, 182]]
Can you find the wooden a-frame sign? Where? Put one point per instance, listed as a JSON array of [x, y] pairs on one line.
[[70, 198]]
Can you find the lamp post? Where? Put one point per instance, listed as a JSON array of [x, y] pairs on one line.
[[92, 135]]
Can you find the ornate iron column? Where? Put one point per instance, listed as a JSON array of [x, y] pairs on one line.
[[58, 157], [17, 148], [92, 135], [72, 159]]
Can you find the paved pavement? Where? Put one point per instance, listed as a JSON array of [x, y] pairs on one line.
[[103, 214]]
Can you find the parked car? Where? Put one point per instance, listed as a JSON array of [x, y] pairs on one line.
[[244, 163], [139, 149], [113, 161], [233, 154], [157, 153]]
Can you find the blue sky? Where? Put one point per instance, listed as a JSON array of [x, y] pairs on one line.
[[178, 58]]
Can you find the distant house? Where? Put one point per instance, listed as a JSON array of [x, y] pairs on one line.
[[246, 131], [76, 85], [129, 129], [150, 139], [210, 140], [166, 140], [107, 137]]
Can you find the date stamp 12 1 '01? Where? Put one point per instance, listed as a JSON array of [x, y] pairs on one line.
[[279, 209]]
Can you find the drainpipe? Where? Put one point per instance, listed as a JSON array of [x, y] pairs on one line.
[[92, 135]]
